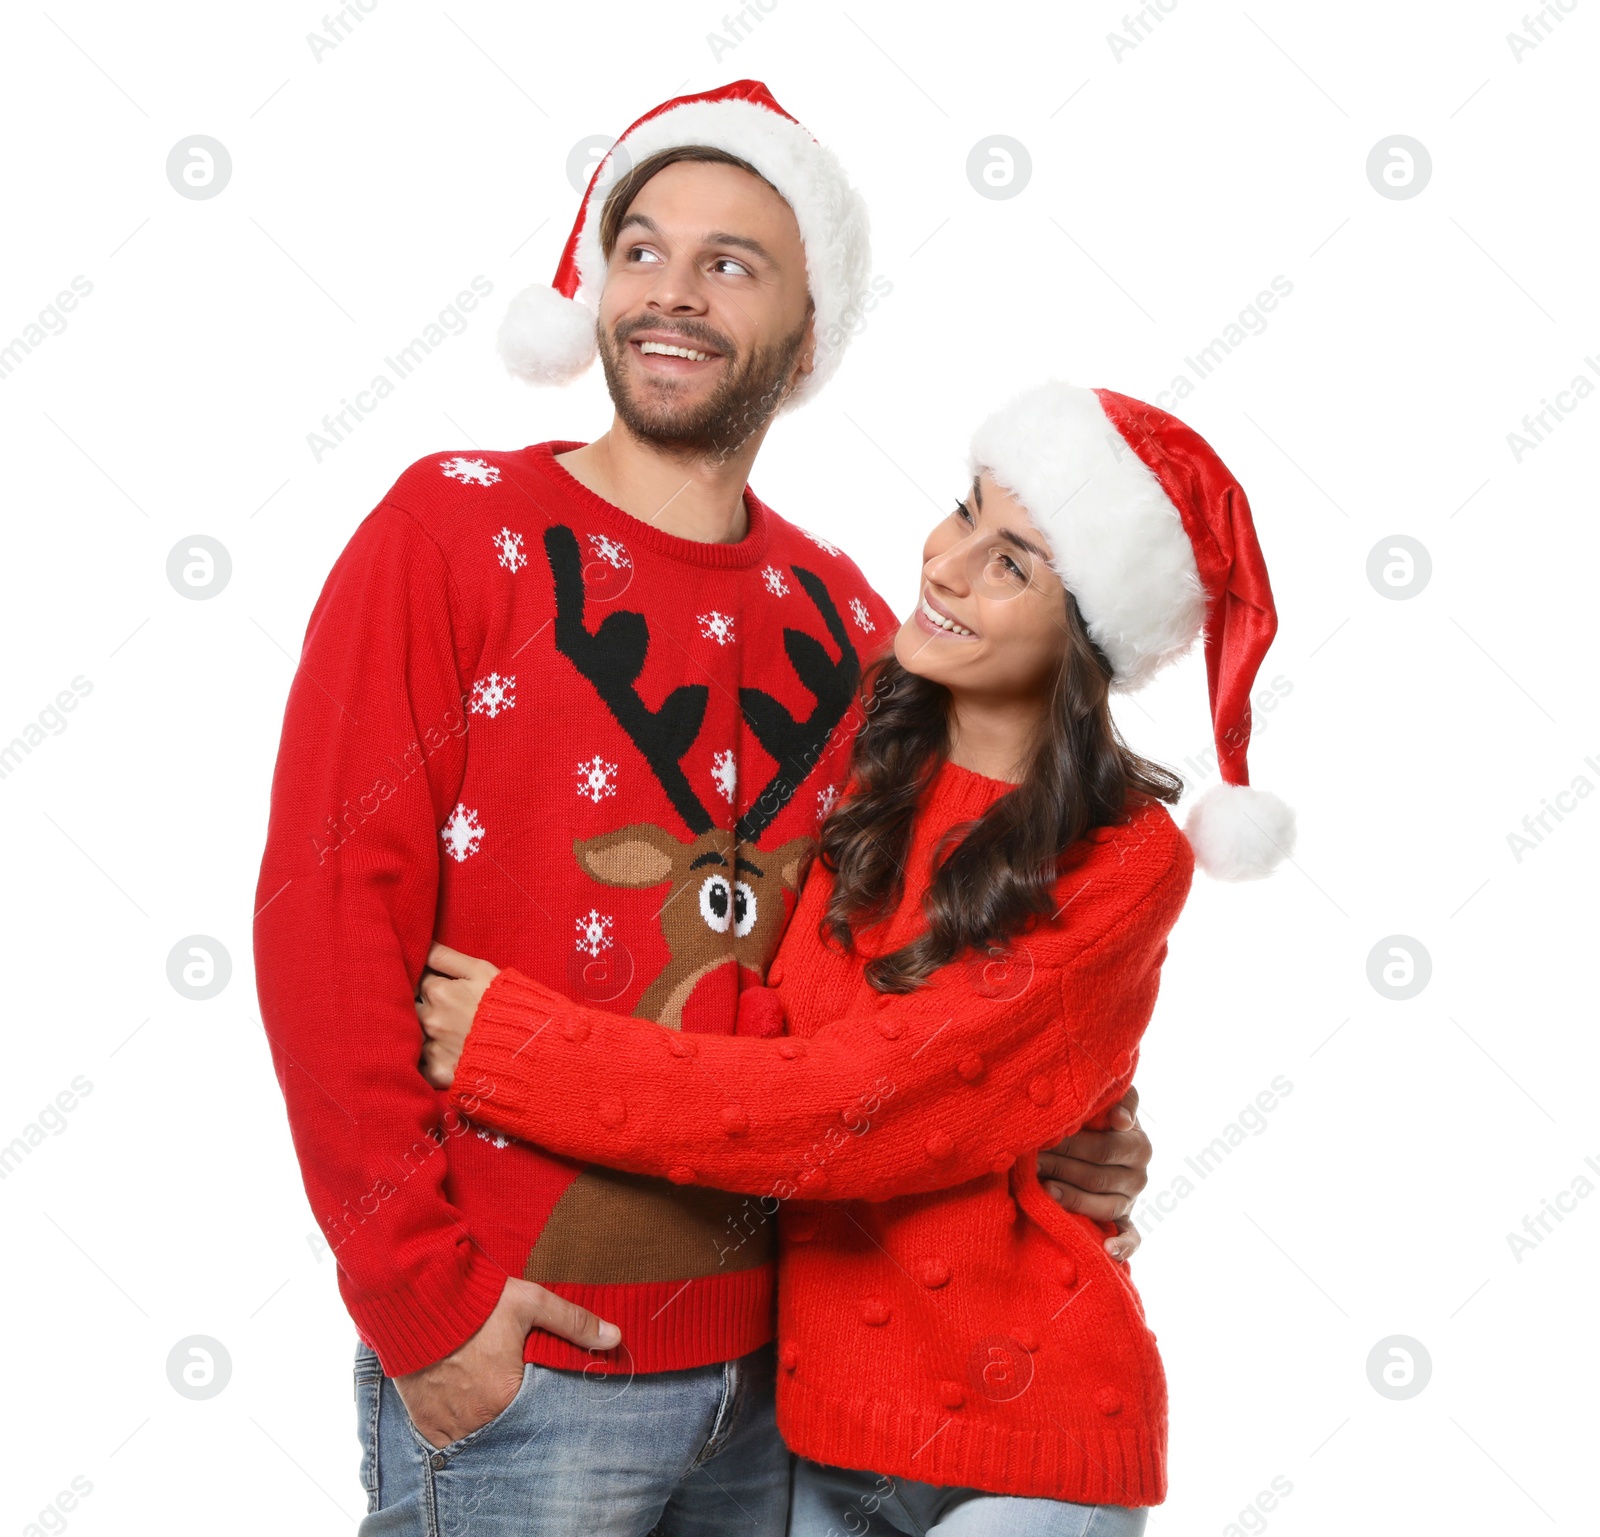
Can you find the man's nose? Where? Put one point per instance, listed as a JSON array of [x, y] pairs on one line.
[[679, 289]]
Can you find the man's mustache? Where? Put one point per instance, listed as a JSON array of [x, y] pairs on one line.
[[701, 337]]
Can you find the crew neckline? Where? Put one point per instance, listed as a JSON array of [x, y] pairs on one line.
[[960, 793], [696, 552], [986, 779]]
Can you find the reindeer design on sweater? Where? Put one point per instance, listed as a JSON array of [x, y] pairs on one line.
[[726, 904]]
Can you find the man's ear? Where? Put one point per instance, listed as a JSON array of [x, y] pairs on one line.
[[807, 360]]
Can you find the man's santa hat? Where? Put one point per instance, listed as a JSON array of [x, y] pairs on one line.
[[548, 334], [1152, 535]]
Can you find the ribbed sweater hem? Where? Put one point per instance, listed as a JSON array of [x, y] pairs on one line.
[[1067, 1456], [667, 1325]]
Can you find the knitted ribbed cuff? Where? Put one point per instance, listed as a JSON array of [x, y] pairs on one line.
[[502, 1035], [437, 1313]]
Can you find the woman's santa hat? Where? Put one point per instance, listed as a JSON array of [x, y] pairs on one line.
[[548, 334], [1152, 535]]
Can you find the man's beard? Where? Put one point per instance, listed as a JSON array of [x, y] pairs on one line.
[[718, 426]]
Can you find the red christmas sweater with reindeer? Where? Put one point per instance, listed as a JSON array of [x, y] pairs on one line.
[[543, 731], [939, 1317]]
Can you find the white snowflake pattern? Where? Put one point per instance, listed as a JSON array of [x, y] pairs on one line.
[[494, 1138], [613, 553], [827, 799], [470, 472], [776, 585], [512, 556], [462, 833], [725, 773], [821, 544], [493, 694], [716, 626], [597, 779], [858, 612], [594, 933]]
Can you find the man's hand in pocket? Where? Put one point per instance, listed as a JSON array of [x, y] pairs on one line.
[[467, 1388]]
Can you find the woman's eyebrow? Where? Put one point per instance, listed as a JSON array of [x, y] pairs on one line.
[[1021, 543], [1005, 533]]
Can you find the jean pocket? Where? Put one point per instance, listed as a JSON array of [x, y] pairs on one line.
[[369, 1396], [437, 1455]]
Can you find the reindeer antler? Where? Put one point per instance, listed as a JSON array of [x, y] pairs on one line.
[[611, 658], [797, 744]]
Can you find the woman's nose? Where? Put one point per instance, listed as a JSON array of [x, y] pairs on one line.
[[948, 569]]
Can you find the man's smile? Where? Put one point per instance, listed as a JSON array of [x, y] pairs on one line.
[[661, 352]]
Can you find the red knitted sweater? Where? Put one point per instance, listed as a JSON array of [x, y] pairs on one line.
[[940, 1318], [536, 728]]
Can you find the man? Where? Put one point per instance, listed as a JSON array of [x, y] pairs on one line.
[[657, 678]]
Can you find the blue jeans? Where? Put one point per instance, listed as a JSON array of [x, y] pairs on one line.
[[660, 1455], [843, 1502]]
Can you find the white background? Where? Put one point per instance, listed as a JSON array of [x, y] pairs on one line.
[[1170, 183]]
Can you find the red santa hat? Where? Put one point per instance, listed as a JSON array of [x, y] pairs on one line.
[[547, 336], [1152, 535]]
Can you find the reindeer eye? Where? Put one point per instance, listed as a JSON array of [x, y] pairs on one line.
[[744, 909], [716, 903]]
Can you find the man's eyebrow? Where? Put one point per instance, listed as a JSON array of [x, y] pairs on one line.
[[716, 237], [740, 242]]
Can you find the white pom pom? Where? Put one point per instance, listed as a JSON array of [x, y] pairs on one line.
[[546, 338], [1239, 834]]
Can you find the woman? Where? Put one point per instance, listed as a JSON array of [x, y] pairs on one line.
[[972, 961]]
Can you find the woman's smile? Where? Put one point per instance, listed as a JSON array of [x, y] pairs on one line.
[[938, 620]]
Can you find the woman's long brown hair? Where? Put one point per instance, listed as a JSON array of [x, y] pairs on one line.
[[993, 876]]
